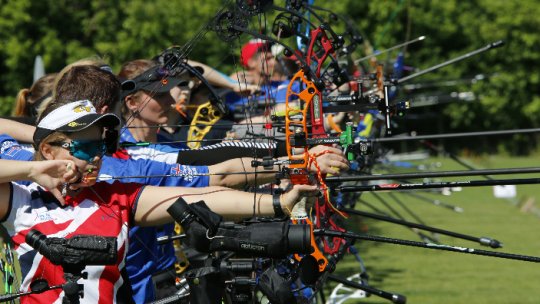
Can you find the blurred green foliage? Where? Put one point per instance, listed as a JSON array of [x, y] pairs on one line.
[[63, 31]]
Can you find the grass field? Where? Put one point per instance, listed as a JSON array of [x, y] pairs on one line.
[[429, 276]]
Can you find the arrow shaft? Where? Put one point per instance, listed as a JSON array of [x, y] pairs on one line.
[[413, 225], [381, 239]]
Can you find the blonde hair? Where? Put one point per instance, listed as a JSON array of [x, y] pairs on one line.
[[37, 92], [44, 105], [56, 136]]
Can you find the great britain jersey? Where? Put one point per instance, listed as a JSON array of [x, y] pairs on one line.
[[102, 205], [145, 256]]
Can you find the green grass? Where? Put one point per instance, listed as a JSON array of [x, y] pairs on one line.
[[429, 276]]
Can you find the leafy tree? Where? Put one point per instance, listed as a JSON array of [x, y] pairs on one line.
[[62, 31]]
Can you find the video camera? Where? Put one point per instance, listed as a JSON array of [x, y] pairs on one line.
[[206, 232], [77, 250], [73, 254]]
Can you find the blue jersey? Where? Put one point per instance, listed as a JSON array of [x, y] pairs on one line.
[[145, 256], [140, 266], [10, 149], [166, 153]]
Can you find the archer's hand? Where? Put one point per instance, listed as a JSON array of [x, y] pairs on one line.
[[329, 159], [293, 196], [53, 173]]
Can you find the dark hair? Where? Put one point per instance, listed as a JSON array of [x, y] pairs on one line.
[[89, 82]]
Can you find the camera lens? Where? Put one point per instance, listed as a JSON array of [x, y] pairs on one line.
[[299, 238], [36, 240], [180, 212]]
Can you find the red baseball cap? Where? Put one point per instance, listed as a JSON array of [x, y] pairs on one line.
[[251, 48]]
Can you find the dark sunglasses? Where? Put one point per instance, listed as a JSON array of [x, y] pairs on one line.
[[83, 149]]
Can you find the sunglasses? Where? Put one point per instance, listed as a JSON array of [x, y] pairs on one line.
[[83, 149]]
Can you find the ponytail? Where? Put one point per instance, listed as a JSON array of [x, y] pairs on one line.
[[21, 102]]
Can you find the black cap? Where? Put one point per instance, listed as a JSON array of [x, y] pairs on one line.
[[155, 79]]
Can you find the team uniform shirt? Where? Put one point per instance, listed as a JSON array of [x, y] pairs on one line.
[[145, 256], [102, 205], [142, 171], [11, 149], [155, 151]]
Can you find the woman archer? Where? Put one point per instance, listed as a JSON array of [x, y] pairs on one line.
[[65, 200]]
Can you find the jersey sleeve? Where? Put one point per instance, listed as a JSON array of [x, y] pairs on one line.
[[19, 202], [156, 152], [217, 153], [155, 173], [12, 150]]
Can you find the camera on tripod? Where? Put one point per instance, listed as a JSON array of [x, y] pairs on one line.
[[74, 254]]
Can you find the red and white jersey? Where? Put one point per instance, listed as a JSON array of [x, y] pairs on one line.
[[104, 209]]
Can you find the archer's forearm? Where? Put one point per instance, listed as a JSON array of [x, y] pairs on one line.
[[13, 170], [214, 76], [240, 174], [19, 131], [231, 204]]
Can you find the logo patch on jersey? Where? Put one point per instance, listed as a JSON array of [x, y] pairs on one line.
[[187, 172], [9, 148]]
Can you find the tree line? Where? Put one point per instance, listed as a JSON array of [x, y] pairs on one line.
[[507, 95]]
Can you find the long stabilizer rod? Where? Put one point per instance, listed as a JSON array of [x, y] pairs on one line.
[[485, 241], [412, 186], [490, 46], [502, 171], [380, 239], [456, 135]]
